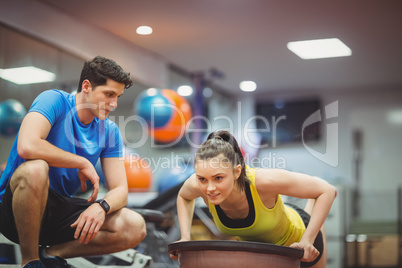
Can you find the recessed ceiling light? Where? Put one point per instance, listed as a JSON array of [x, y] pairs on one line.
[[207, 92], [144, 30], [185, 91], [320, 48], [27, 75], [248, 86], [152, 91], [395, 117]]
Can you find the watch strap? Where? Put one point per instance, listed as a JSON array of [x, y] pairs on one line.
[[104, 205]]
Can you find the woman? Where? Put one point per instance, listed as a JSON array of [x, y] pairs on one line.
[[247, 203]]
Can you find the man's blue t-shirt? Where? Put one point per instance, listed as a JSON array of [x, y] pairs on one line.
[[100, 138]]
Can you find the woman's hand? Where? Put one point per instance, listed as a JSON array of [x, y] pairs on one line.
[[174, 255], [310, 252]]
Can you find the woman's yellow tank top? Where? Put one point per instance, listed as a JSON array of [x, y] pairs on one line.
[[280, 225]]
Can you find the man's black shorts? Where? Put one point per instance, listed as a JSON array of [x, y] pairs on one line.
[[318, 243], [59, 214]]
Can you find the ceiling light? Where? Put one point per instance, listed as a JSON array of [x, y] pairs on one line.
[[27, 75], [395, 117], [185, 91], [321, 48], [144, 30], [248, 86], [152, 91], [279, 104], [207, 92]]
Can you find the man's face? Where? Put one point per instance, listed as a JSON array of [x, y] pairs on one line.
[[104, 98]]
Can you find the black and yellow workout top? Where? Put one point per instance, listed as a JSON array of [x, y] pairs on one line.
[[280, 225]]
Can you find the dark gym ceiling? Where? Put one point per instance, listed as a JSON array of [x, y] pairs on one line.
[[246, 39]]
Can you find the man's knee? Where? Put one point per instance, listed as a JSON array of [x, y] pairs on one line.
[[33, 174], [135, 227], [138, 224]]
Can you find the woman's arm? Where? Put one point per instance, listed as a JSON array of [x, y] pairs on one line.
[[185, 206], [274, 182], [185, 212]]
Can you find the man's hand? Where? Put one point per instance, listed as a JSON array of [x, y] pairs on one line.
[[310, 252], [88, 173], [89, 223]]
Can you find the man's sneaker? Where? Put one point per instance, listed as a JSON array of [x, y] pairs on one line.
[[34, 264], [55, 262], [50, 261]]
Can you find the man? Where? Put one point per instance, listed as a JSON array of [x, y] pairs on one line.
[[58, 144]]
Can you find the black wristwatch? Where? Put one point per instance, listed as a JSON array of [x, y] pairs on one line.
[[104, 205]]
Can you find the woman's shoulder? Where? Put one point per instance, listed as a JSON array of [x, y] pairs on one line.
[[190, 188], [267, 178], [264, 174], [269, 173], [265, 184]]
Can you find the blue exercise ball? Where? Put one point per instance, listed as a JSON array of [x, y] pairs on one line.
[[174, 176], [154, 108], [12, 112]]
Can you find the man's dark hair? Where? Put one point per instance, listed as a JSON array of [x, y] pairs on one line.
[[99, 69]]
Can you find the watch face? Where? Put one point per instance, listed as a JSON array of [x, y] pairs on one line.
[[104, 205]]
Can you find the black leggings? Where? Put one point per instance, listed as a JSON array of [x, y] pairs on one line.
[[59, 214], [319, 241]]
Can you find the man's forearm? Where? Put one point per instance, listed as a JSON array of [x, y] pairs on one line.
[[117, 198], [53, 155]]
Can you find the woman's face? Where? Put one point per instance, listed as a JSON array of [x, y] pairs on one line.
[[216, 178]]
